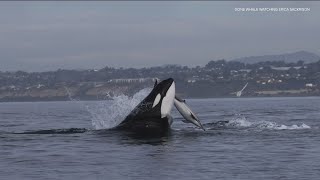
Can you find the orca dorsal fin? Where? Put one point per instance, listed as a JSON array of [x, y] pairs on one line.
[[155, 83]]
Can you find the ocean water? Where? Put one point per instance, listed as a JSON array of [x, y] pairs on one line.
[[263, 138]]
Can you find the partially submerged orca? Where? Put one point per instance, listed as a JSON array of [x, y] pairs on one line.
[[152, 115]]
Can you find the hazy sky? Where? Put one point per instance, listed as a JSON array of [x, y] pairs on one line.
[[40, 36]]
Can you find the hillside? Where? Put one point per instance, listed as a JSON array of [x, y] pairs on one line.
[[305, 56], [216, 79]]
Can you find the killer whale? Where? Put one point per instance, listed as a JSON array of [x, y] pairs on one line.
[[152, 114]]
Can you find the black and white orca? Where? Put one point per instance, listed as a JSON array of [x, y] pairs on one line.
[[152, 115]]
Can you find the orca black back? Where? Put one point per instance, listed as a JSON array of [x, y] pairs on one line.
[[151, 115]]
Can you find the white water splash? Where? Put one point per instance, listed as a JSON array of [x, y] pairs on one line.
[[240, 122], [292, 127], [243, 122], [108, 114]]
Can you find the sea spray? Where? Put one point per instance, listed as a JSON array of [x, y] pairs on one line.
[[241, 121], [109, 113]]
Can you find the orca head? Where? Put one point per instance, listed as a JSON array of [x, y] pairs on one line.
[[162, 97]]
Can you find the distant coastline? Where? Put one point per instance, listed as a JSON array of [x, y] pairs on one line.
[[218, 78], [93, 98]]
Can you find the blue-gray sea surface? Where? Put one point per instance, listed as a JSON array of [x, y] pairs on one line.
[[265, 138]]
